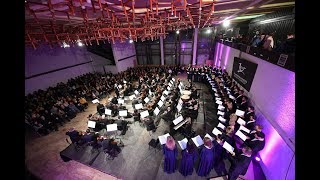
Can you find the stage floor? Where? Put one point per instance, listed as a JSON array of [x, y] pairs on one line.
[[137, 160]]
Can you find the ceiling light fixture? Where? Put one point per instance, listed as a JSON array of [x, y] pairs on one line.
[[177, 31], [130, 41], [226, 23]]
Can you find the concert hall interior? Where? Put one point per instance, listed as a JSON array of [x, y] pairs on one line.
[[160, 89]]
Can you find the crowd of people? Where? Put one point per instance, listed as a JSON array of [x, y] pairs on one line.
[[212, 153], [46, 110], [265, 41]]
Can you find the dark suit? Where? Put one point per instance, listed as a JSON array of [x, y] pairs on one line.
[[74, 136], [256, 146], [239, 165], [243, 106]]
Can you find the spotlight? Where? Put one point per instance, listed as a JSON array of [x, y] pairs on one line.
[[80, 43], [208, 31], [130, 41], [177, 31], [257, 158], [226, 23]]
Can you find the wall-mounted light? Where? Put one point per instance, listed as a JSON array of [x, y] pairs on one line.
[[208, 31], [130, 41], [79, 43], [177, 31]]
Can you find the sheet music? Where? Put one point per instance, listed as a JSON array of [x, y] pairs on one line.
[[227, 146], [179, 107], [162, 98], [131, 97], [180, 101], [222, 119], [219, 102], [168, 88], [95, 101], [107, 112], [163, 138], [138, 106], [156, 111], [124, 81], [120, 86], [177, 120], [220, 107], [241, 135], [136, 92], [170, 85], [91, 124], [144, 114], [123, 113], [103, 116], [120, 101], [160, 103], [217, 98], [241, 122], [208, 136], [244, 129], [220, 113], [197, 141], [166, 92], [239, 112], [173, 79], [126, 98], [217, 95], [146, 99], [183, 143], [216, 131], [232, 97], [112, 127], [221, 126]]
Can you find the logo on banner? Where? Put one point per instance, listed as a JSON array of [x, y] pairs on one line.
[[241, 69]]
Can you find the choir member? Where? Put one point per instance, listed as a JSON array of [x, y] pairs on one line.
[[240, 163], [189, 156], [170, 153], [206, 158]]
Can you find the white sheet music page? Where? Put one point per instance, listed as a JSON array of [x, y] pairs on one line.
[[136, 92], [222, 119], [221, 126], [179, 107], [120, 101], [241, 122], [197, 141], [160, 103], [239, 113], [144, 114], [241, 135], [163, 138], [107, 112], [112, 127], [95, 101], [244, 129], [123, 113], [138, 106], [219, 102], [227, 146], [177, 120], [216, 131], [91, 124], [146, 99], [183, 143], [156, 111]]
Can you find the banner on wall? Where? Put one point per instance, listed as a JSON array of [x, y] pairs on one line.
[[243, 72]]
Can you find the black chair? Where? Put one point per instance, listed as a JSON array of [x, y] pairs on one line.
[[154, 143]]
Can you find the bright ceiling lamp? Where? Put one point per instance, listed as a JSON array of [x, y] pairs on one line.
[[177, 31], [130, 41], [208, 31], [226, 23]]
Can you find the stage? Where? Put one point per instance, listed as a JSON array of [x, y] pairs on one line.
[[137, 160]]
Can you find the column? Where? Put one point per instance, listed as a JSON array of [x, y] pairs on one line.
[[161, 50], [195, 45]]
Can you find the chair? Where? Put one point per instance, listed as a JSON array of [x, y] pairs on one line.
[[154, 143]]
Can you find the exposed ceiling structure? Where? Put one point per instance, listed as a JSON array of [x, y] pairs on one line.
[[68, 21]]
